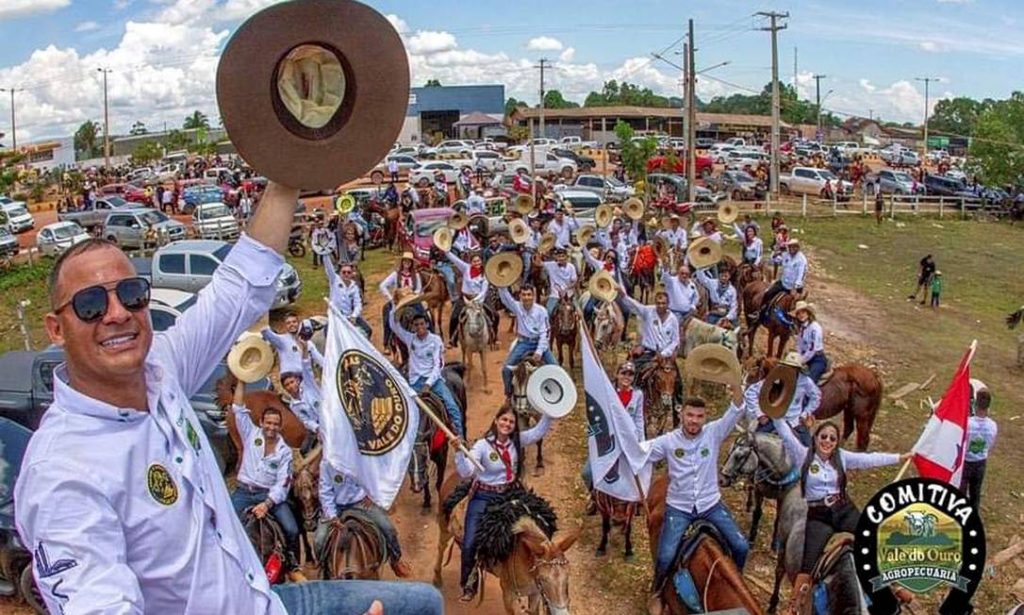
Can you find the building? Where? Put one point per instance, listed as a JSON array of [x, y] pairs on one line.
[[452, 112], [598, 123], [49, 154], [125, 145]]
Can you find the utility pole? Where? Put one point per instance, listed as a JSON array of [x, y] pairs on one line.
[[106, 119], [774, 29], [14, 125], [817, 96], [926, 80], [686, 93], [691, 113], [542, 65], [795, 73]]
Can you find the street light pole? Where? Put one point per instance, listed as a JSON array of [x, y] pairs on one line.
[[774, 28], [926, 80], [14, 124], [106, 119]]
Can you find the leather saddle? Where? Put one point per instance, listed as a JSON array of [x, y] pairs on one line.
[[840, 544]]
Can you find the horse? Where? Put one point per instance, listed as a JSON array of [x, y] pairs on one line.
[[474, 337], [753, 299], [747, 273], [354, 548], [306, 491], [431, 443], [525, 414], [268, 540], [620, 512], [609, 324], [292, 429], [658, 380], [435, 296], [536, 569], [720, 584], [853, 389], [694, 332], [566, 328], [761, 459], [390, 215]]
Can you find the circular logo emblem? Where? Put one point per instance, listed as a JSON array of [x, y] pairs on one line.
[[273, 465], [815, 468], [338, 478], [259, 441], [704, 452], [494, 456], [161, 485], [295, 348], [679, 453], [372, 402]]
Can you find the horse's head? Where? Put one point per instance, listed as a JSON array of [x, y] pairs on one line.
[[520, 377], [565, 316], [305, 486], [225, 389], [607, 325], [741, 463], [474, 320], [757, 368], [548, 565]]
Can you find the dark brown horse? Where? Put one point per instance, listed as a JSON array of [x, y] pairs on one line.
[[753, 299], [718, 581], [853, 389], [292, 429], [306, 491], [431, 443], [390, 215], [658, 381], [566, 329], [354, 550], [619, 512], [526, 416], [435, 296]]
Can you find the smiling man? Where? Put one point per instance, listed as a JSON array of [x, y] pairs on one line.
[[120, 498]]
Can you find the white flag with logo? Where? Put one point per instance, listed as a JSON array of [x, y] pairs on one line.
[[369, 414], [614, 453]]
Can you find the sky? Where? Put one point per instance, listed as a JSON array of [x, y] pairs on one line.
[[163, 53]]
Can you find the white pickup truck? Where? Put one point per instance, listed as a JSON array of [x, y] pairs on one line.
[[811, 180], [575, 143]]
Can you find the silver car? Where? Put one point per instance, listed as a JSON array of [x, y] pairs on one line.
[[54, 239], [139, 228]]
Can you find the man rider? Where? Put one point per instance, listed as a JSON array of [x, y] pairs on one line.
[[791, 280]]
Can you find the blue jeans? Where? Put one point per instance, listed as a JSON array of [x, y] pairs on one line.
[[398, 597], [802, 433], [446, 271], [712, 319], [440, 389], [527, 262], [677, 522], [551, 304], [523, 348], [474, 512], [243, 498], [375, 513], [816, 366]]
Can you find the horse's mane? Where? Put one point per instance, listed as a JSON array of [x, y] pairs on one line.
[[521, 372], [496, 534], [457, 495]]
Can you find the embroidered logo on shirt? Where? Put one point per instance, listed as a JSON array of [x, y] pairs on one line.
[[273, 465], [193, 437], [45, 568], [976, 446], [161, 485], [338, 478], [259, 442], [372, 401], [815, 468], [493, 456], [679, 453], [704, 452]]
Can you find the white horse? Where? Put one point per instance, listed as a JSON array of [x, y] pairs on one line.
[[474, 337]]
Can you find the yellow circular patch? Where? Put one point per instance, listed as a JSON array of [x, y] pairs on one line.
[[815, 468], [161, 485], [494, 456]]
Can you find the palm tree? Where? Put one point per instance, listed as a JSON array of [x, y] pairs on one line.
[[87, 137], [198, 119]]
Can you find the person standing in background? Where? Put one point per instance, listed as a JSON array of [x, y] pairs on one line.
[[981, 437]]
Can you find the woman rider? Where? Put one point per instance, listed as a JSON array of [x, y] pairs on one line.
[[611, 264], [474, 288], [823, 482], [753, 247], [404, 276], [810, 341], [499, 454]]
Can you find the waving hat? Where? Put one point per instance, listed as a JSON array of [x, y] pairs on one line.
[[602, 286], [704, 252], [713, 363], [727, 213], [503, 269], [522, 204], [518, 230], [551, 390], [443, 238], [250, 358], [779, 386], [458, 221], [634, 208], [584, 234], [603, 215], [547, 241], [312, 93]]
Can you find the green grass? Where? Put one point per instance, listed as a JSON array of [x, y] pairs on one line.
[[26, 282]]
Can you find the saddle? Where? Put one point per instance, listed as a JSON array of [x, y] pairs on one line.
[[839, 544], [682, 582], [364, 520]]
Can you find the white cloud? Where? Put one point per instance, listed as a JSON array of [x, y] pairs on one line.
[[544, 43], [86, 26], [428, 42], [567, 54], [866, 85], [398, 23], [930, 46], [12, 9]]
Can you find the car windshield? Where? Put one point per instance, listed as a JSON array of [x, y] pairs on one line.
[[17, 210], [153, 217], [742, 177], [426, 228], [67, 231], [826, 175], [614, 182], [902, 177], [216, 211], [116, 201]]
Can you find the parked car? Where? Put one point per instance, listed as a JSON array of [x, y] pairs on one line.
[[502, 183], [140, 173], [491, 160], [138, 228], [189, 265], [454, 146], [423, 175], [417, 234], [576, 142], [405, 164], [583, 202], [585, 164], [97, 215], [214, 221], [719, 152], [659, 164], [738, 184], [166, 305], [740, 159], [606, 188], [811, 180], [898, 157], [892, 182], [168, 172], [127, 191], [199, 194], [8, 243], [53, 239], [544, 162], [676, 185], [18, 217], [940, 185], [704, 142]]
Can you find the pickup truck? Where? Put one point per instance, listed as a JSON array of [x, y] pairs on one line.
[[214, 221], [97, 215], [189, 265], [892, 182], [576, 142], [608, 188], [811, 180]]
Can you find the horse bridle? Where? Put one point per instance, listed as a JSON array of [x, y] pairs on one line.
[[558, 562]]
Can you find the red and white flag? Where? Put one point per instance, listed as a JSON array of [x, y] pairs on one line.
[[939, 452]]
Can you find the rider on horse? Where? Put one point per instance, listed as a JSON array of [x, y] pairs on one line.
[[683, 296], [265, 471], [610, 263], [794, 269], [304, 402], [806, 399], [753, 247], [823, 482], [533, 332], [474, 288], [723, 306], [691, 454], [404, 276], [499, 452], [675, 235], [632, 399], [563, 228], [562, 278], [426, 358], [292, 351], [659, 332], [339, 493], [345, 295], [810, 341]]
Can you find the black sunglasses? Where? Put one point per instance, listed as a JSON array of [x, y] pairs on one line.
[[91, 304]]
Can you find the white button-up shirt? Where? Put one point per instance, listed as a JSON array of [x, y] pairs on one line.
[[810, 341], [476, 204], [599, 265], [751, 251], [635, 410], [682, 297], [657, 334], [676, 238], [337, 490], [259, 469], [563, 231], [289, 350], [426, 354], [719, 295], [138, 518], [532, 324], [981, 437], [560, 278], [794, 268], [345, 298], [473, 287], [486, 451], [823, 476], [693, 462], [307, 406], [806, 400], [395, 281]]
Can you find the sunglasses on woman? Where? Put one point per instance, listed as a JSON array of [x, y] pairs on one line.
[[828, 437], [91, 304]]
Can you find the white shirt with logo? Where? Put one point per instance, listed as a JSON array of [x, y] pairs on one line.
[[682, 296], [486, 451], [475, 287], [426, 354], [561, 278], [337, 490], [981, 437], [657, 334], [259, 469], [532, 324]]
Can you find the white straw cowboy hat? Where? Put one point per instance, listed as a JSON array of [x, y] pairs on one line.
[[551, 391], [807, 307], [522, 204], [458, 221], [603, 215], [779, 386], [602, 286], [443, 238], [727, 213], [704, 252], [713, 363], [633, 208], [250, 358], [584, 234], [503, 269], [518, 230], [547, 241]]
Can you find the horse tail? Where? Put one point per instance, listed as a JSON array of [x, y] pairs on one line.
[[1015, 318]]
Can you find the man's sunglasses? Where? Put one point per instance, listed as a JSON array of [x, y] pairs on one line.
[[91, 304]]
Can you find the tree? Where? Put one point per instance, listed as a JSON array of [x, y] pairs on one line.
[[997, 146], [146, 152], [198, 119], [512, 104], [957, 116], [519, 134], [635, 152], [138, 128], [175, 140], [553, 99], [432, 83], [87, 139], [613, 94]]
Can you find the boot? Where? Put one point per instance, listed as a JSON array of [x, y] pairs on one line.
[[654, 604], [800, 600], [401, 568]]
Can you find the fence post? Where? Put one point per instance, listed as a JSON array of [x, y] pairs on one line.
[[963, 212], [864, 202], [892, 206], [941, 201], [835, 201], [803, 206]]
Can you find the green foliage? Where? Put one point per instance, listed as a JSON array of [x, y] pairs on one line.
[[958, 116], [519, 134], [553, 99], [512, 104], [176, 139], [635, 152], [432, 83], [147, 152], [613, 94], [21, 277], [793, 110], [997, 149], [198, 119], [138, 128], [87, 139]]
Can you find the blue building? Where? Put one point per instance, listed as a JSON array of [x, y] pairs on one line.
[[454, 111]]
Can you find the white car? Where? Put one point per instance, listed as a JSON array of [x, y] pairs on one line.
[[406, 163], [454, 146], [492, 161], [18, 217], [423, 175], [214, 221], [720, 151], [167, 172], [543, 164], [54, 239], [738, 159], [811, 181]]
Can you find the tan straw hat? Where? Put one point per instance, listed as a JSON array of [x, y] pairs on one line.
[[518, 230], [523, 204], [713, 363], [634, 208], [727, 213], [458, 221], [584, 234], [602, 286], [778, 389], [704, 252], [603, 215], [503, 269], [443, 238], [250, 358]]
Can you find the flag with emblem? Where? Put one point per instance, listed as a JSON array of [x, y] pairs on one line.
[[614, 453], [939, 452], [369, 416]]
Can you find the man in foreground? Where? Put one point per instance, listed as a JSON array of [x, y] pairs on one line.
[[120, 497]]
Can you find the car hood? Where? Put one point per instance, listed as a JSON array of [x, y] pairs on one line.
[[168, 224]]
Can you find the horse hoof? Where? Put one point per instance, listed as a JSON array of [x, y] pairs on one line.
[[538, 471], [601, 552]]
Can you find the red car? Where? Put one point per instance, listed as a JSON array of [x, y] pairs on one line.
[[659, 164], [127, 192], [417, 234]]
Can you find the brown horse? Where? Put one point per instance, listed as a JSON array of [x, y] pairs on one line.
[[306, 491], [853, 389], [435, 296], [526, 415], [753, 299], [716, 577], [658, 381], [390, 215], [747, 273], [619, 512], [292, 429], [537, 569], [354, 549], [566, 329]]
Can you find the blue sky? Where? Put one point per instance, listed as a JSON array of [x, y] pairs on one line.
[[163, 52]]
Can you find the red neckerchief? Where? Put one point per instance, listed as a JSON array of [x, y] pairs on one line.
[[609, 267], [625, 396], [475, 271], [405, 280], [506, 458]]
